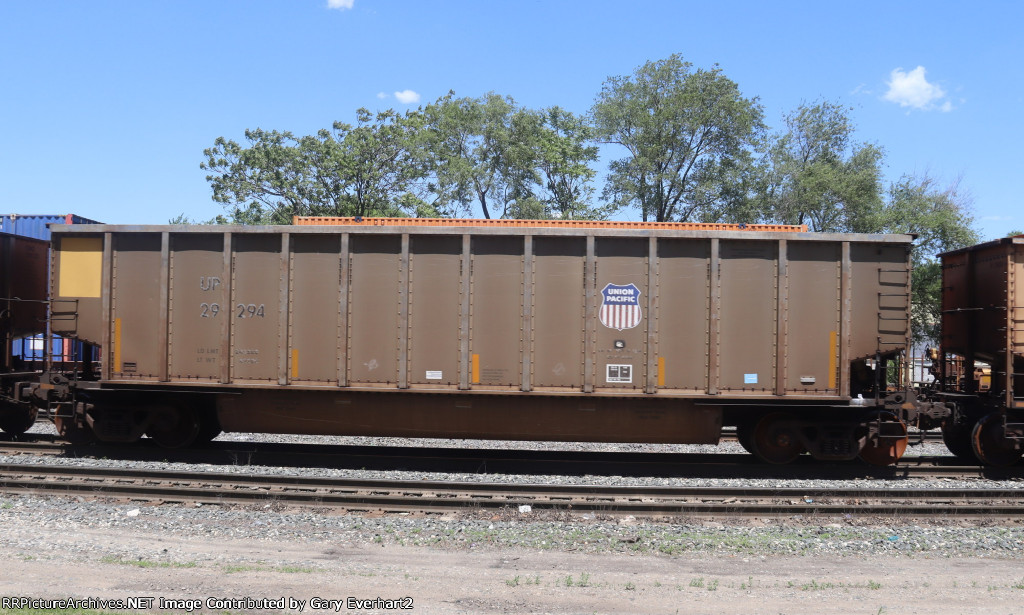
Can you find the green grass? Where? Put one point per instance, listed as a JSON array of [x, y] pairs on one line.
[[251, 568], [144, 563]]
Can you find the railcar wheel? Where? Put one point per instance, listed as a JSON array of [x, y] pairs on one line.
[[891, 443], [16, 419], [71, 431], [775, 439], [745, 436], [209, 428], [957, 438], [173, 427], [990, 443]]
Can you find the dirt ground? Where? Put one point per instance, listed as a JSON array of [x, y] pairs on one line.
[[503, 581]]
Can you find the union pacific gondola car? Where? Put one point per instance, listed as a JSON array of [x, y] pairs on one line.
[[618, 332]]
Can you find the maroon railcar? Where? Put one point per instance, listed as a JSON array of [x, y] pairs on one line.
[[983, 323], [23, 294]]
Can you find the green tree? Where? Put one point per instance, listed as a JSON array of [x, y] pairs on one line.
[[469, 146], [361, 170], [941, 219], [688, 135], [815, 174], [565, 153]]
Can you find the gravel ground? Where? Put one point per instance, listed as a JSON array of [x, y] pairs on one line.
[[515, 562]]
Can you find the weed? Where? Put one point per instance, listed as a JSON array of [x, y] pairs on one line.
[[294, 569], [876, 585], [513, 582], [713, 586], [243, 568], [1018, 585], [252, 568], [630, 587], [143, 563], [697, 582]]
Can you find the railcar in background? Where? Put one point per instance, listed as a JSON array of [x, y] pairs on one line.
[[533, 330], [23, 299], [983, 334]]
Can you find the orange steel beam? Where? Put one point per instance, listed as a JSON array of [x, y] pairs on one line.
[[678, 226]]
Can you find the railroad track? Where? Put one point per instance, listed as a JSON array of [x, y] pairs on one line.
[[397, 496], [515, 462]]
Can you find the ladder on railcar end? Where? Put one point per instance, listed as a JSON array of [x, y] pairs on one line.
[[64, 311], [894, 320]]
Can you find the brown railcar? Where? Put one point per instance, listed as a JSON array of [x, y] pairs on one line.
[[983, 321], [23, 292], [525, 331]]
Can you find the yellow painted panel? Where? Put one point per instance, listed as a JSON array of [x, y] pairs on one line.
[[81, 266], [476, 369], [661, 371], [295, 363]]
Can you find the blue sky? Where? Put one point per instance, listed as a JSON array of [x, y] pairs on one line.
[[106, 107]]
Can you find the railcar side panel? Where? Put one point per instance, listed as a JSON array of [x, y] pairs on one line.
[[435, 297], [623, 322], [257, 282], [682, 315], [317, 273], [813, 284], [496, 312], [135, 294], [557, 313], [199, 311], [375, 303], [748, 283]]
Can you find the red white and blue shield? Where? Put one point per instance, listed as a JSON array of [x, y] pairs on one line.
[[620, 306]]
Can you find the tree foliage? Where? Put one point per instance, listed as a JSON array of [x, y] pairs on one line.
[[362, 170], [941, 218], [815, 174], [687, 132], [490, 155]]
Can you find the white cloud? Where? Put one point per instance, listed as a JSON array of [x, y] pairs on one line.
[[407, 97], [341, 5], [911, 89], [382, 95]]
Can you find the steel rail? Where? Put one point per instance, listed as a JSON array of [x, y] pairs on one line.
[[436, 496]]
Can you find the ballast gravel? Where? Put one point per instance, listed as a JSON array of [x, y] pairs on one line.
[[541, 529], [509, 561]]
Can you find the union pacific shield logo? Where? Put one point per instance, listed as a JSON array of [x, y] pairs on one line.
[[620, 306]]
